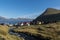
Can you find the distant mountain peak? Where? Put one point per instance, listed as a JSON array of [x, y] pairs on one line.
[[4, 18], [50, 11]]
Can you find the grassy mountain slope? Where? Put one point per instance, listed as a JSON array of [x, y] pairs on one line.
[[50, 15], [45, 32]]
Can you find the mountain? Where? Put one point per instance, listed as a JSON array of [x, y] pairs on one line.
[[51, 11], [50, 15], [14, 20]]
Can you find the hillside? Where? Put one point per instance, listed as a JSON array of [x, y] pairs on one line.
[[4, 35], [50, 11], [33, 32], [50, 15], [41, 32]]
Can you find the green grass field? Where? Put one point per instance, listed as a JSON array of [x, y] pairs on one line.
[[46, 31], [4, 35]]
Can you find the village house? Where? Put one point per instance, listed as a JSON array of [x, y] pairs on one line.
[[39, 22], [23, 24]]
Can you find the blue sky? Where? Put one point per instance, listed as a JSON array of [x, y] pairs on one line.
[[26, 8]]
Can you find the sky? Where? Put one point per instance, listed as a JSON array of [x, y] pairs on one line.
[[26, 8]]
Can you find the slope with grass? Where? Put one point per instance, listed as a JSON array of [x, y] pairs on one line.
[[42, 32], [33, 32], [4, 35], [50, 15]]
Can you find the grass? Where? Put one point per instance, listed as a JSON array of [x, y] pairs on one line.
[[46, 31], [4, 35]]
